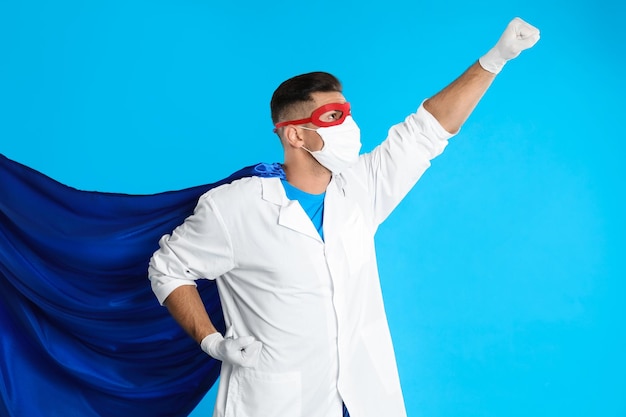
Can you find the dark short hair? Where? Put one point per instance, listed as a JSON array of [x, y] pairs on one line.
[[298, 90]]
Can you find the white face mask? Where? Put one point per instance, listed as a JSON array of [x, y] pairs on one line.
[[342, 144]]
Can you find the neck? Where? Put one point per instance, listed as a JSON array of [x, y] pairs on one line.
[[309, 177]]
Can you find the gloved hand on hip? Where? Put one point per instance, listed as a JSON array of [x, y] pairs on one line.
[[242, 351], [517, 36]]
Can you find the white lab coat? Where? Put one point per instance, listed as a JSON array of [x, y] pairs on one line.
[[316, 306]]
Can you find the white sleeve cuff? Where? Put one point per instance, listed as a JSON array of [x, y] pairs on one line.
[[163, 286], [431, 125]]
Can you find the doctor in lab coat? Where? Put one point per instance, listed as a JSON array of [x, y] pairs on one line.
[[300, 291]]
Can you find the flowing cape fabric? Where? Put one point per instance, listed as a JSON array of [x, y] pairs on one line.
[[82, 333]]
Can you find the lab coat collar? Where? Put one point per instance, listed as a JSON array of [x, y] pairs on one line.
[[291, 214], [339, 210]]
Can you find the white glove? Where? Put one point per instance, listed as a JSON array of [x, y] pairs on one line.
[[242, 351], [517, 36]]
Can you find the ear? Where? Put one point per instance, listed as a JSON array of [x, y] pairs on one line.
[[293, 136]]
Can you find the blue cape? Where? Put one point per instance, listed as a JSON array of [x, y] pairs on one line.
[[82, 333]]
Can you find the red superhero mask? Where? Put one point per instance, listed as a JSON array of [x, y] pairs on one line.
[[342, 109]]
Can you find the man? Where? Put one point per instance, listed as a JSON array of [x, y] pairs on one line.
[[294, 258]]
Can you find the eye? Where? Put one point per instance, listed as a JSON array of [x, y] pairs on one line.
[[332, 116]]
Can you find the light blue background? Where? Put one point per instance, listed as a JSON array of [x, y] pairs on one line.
[[503, 271]]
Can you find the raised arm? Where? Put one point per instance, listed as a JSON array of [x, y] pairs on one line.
[[453, 105]]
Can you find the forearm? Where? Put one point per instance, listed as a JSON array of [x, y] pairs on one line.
[[187, 308], [453, 105]]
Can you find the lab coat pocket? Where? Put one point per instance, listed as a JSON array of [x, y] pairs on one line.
[[265, 394]]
